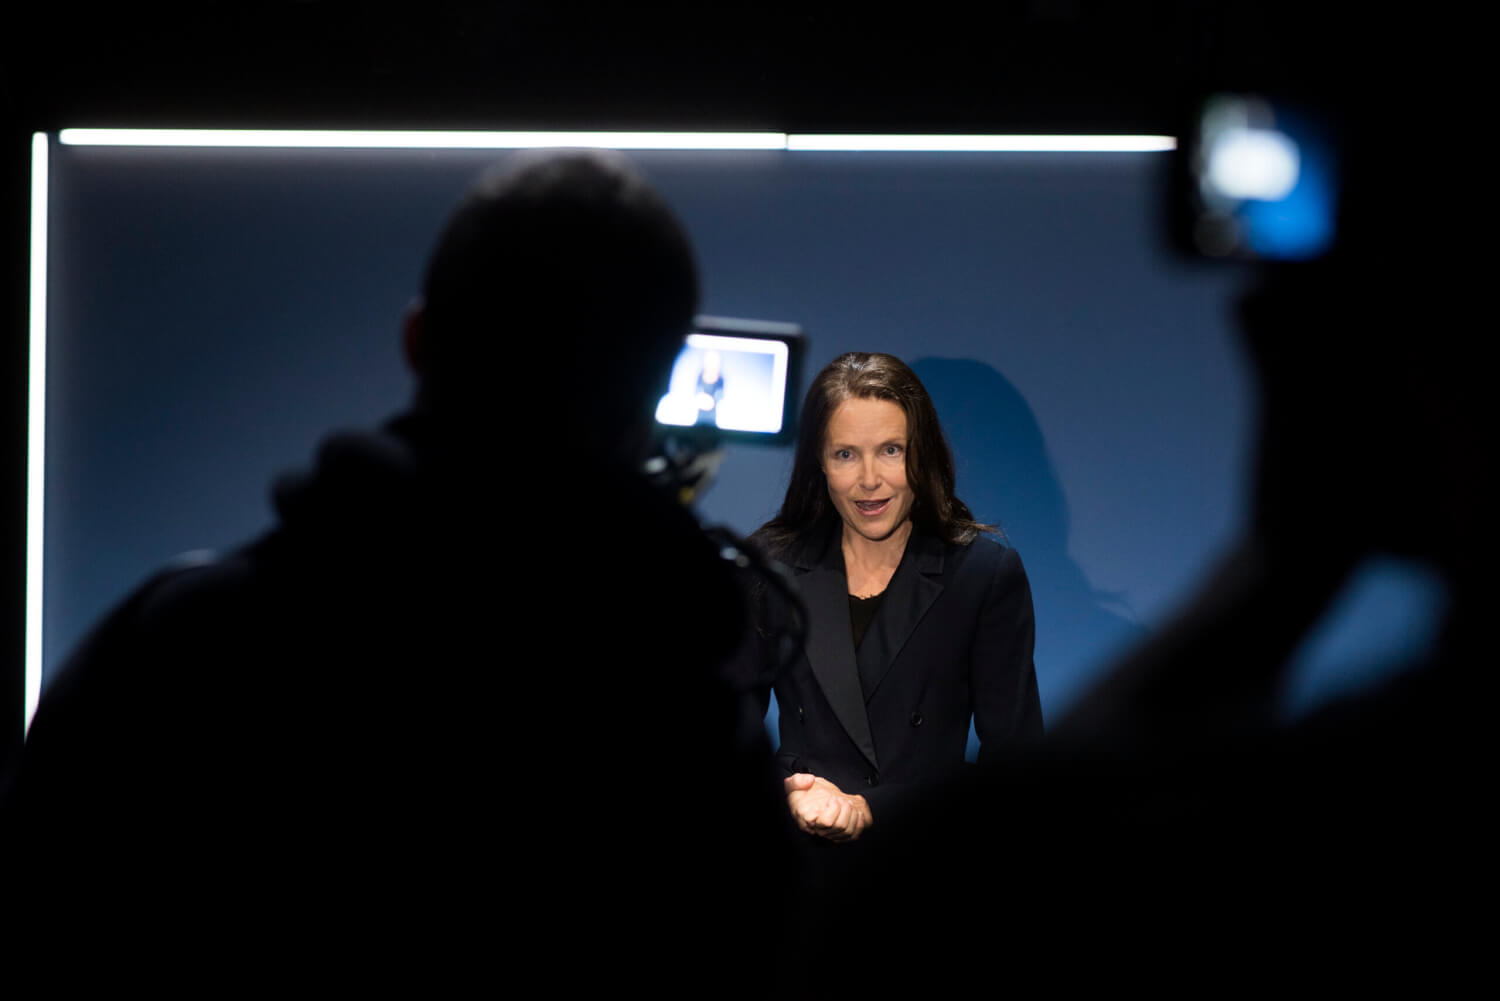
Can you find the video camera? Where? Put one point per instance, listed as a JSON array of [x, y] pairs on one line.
[[734, 381]]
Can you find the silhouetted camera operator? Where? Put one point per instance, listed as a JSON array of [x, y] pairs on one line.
[[426, 709]]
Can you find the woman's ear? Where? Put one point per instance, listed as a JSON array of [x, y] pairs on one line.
[[411, 337]]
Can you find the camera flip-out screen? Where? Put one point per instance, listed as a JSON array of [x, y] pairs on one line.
[[735, 379]]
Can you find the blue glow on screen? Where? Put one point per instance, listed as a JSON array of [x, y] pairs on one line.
[[1298, 227], [1301, 225]]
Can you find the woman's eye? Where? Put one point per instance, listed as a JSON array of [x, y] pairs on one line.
[[842, 453], [893, 450]]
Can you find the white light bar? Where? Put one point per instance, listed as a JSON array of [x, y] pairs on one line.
[[335, 139], [982, 144], [37, 426]]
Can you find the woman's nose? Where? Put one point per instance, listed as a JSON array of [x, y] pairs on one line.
[[869, 476]]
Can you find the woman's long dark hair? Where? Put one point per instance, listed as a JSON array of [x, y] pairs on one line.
[[807, 511]]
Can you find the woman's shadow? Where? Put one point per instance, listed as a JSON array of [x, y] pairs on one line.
[[1006, 477]]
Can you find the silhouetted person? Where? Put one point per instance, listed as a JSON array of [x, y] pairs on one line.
[[461, 706]]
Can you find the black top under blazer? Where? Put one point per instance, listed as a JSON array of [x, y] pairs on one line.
[[952, 639]]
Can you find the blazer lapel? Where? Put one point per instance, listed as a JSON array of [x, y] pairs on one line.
[[914, 586], [830, 647]]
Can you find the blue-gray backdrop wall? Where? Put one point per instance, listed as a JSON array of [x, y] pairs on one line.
[[214, 312]]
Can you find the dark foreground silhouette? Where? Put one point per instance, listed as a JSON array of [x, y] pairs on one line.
[[1173, 828], [459, 709]]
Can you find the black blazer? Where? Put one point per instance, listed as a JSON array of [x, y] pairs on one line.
[[952, 639]]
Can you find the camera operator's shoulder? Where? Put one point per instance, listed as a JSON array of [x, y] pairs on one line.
[[189, 578]]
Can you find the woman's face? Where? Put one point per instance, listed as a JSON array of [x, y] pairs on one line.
[[864, 460]]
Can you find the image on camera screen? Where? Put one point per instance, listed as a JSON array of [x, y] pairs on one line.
[[729, 383]]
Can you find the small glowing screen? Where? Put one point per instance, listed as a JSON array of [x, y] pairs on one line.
[[729, 383]]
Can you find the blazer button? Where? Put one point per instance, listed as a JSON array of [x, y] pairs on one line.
[[871, 780], [801, 716], [916, 719]]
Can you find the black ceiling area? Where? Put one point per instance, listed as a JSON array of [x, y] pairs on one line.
[[1030, 66]]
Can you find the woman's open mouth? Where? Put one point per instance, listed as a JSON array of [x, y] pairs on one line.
[[872, 508]]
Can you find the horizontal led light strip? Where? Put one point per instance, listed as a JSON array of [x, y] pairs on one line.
[[334, 139], [983, 144]]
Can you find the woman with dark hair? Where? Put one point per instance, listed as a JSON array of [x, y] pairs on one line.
[[916, 621]]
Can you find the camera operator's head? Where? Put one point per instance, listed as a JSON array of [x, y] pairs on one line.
[[561, 287]]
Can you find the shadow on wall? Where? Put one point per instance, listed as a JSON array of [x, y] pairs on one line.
[[1006, 478]]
